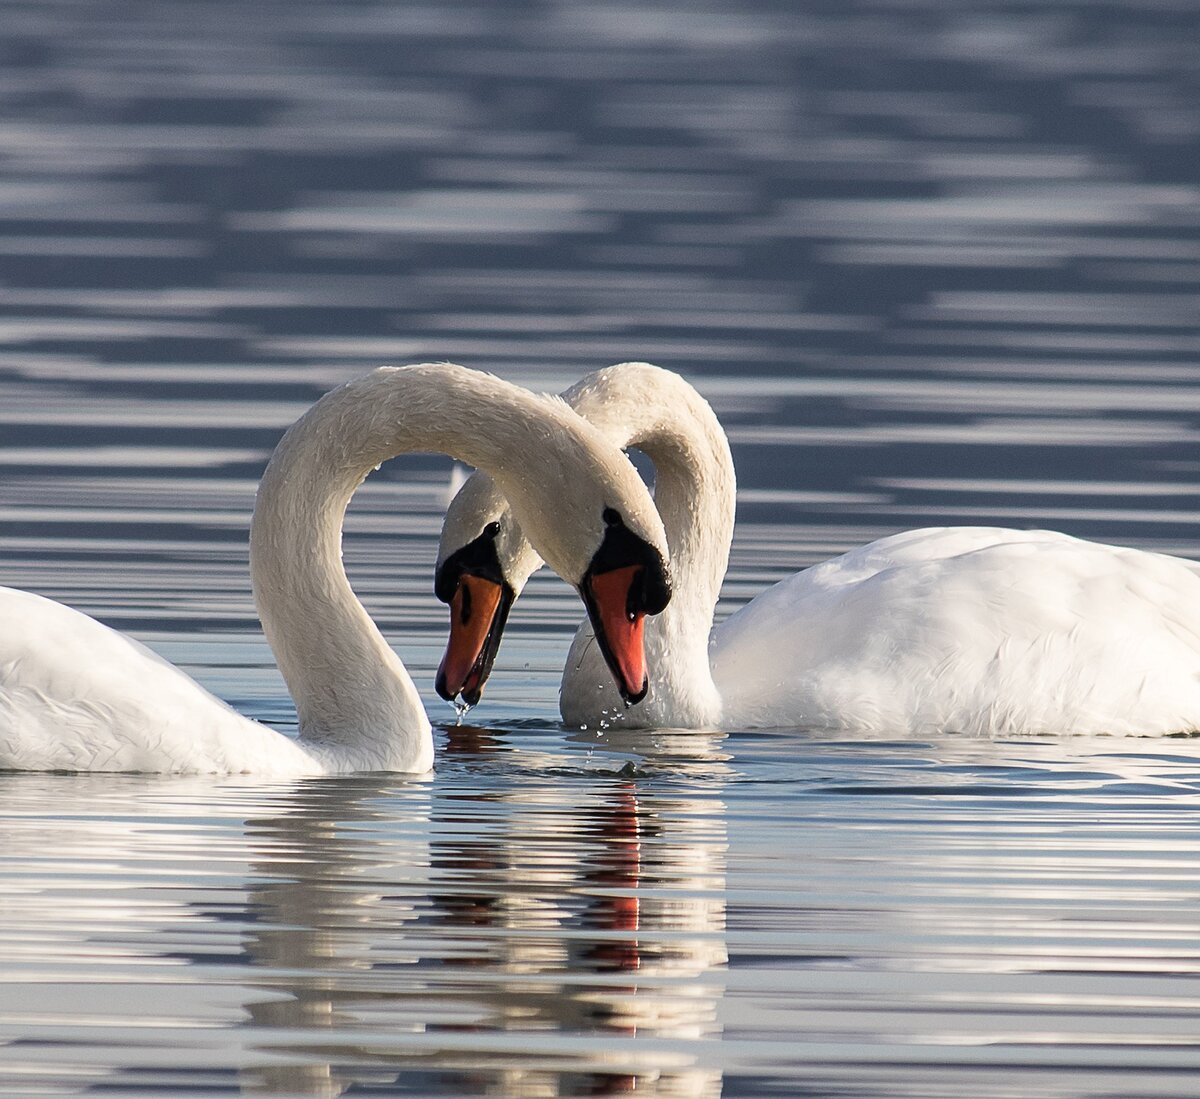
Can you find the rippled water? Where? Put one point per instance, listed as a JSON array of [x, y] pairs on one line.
[[931, 261]]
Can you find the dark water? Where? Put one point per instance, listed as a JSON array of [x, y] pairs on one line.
[[931, 262]]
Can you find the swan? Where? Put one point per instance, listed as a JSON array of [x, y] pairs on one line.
[[978, 630], [78, 696]]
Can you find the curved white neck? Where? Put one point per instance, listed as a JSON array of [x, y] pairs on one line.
[[695, 491], [352, 694]]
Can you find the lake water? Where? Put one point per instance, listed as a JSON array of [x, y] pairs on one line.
[[932, 262]]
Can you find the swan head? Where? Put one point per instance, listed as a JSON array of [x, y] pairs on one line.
[[485, 559], [625, 581]]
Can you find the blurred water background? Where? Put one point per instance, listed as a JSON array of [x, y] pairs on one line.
[[932, 262]]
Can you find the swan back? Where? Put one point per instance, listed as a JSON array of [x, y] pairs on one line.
[[976, 630], [76, 695]]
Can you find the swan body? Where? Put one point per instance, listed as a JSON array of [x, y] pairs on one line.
[[977, 630], [78, 696]]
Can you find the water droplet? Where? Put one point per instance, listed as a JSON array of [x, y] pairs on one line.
[[460, 709]]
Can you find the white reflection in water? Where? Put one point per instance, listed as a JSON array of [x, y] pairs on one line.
[[352, 930], [437, 214], [553, 915]]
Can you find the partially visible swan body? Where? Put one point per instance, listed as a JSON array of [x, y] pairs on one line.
[[976, 630], [78, 696]]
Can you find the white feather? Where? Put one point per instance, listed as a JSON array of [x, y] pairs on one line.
[[978, 630], [78, 696]]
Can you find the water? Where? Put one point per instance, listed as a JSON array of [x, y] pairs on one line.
[[931, 262]]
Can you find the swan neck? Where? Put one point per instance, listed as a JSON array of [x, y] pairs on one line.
[[352, 693], [695, 491], [695, 487]]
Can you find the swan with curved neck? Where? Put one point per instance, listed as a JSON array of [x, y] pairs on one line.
[[971, 629], [77, 696]]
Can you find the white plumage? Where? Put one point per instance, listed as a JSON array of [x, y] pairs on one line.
[[977, 630], [78, 696]]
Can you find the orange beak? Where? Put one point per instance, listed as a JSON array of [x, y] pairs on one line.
[[619, 630], [475, 628]]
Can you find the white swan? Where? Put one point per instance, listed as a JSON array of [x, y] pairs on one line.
[[977, 630], [77, 696]]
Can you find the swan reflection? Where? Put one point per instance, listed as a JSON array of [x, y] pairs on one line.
[[510, 939]]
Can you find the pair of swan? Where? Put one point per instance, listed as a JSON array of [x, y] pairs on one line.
[[77, 696], [972, 629], [977, 630]]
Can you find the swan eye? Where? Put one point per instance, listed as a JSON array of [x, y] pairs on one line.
[[492, 530], [612, 517]]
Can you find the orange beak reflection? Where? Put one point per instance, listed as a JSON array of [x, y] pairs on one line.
[[478, 612], [620, 630]]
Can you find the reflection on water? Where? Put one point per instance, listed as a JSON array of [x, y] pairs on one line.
[[931, 262], [486, 939], [563, 915]]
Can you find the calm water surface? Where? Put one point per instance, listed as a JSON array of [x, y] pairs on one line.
[[931, 262]]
